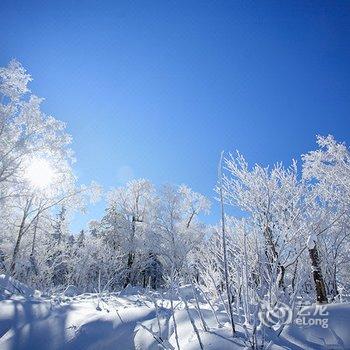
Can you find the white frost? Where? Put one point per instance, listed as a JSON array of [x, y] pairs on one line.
[[311, 241]]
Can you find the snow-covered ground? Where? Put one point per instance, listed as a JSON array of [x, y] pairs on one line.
[[128, 320]]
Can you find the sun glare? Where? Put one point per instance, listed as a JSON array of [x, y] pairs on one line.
[[39, 173]]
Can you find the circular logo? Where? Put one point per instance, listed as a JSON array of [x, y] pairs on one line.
[[275, 315]]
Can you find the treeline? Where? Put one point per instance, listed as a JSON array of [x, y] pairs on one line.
[[291, 240]]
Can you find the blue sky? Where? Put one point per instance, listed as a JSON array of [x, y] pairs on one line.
[[156, 89]]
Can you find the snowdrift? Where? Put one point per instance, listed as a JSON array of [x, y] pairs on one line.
[[10, 286], [128, 320]]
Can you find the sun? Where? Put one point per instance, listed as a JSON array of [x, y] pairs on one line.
[[39, 173]]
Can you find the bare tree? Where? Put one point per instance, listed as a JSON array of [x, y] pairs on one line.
[[224, 247]]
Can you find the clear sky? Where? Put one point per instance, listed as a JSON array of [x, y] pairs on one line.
[[156, 89]]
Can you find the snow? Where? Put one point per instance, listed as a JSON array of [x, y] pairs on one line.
[[9, 286], [71, 291], [125, 320], [128, 320], [311, 241], [335, 336]]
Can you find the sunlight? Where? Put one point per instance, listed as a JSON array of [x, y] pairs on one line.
[[39, 173]]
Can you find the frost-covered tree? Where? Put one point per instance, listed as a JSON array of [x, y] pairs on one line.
[[25, 131], [294, 220], [177, 228], [126, 221], [28, 138], [327, 171], [153, 230], [36, 173], [273, 200]]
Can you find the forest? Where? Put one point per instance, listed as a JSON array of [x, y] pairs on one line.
[[245, 276]]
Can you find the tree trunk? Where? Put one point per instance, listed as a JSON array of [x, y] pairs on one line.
[[33, 265], [295, 271], [321, 296], [129, 266], [131, 254], [15, 253], [334, 282], [16, 249], [224, 247], [272, 256], [21, 232]]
